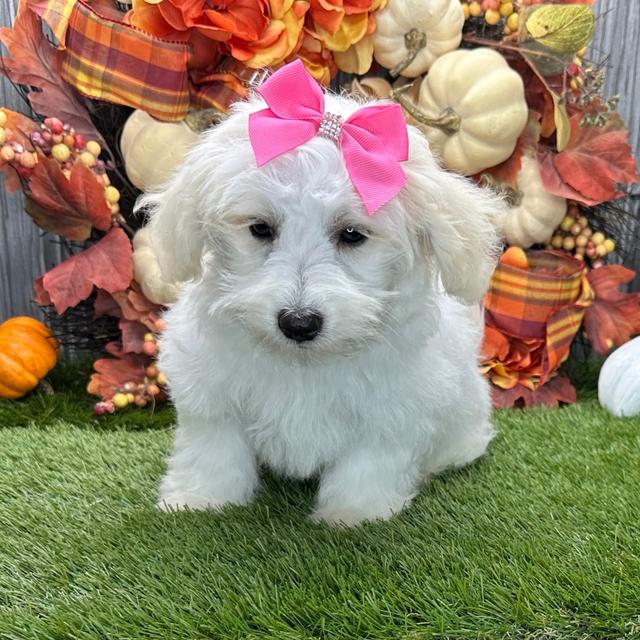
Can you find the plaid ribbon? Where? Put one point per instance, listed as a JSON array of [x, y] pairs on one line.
[[106, 59], [545, 302]]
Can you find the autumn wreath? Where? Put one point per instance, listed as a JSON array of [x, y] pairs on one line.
[[527, 119]]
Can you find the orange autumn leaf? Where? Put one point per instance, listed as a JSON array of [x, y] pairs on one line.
[[553, 393]]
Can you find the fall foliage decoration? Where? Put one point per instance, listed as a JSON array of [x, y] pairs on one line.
[[28, 351], [504, 90]]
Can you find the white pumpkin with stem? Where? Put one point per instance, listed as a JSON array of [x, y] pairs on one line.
[[471, 107], [411, 34], [537, 212]]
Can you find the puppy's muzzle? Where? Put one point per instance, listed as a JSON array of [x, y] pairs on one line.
[[300, 325]]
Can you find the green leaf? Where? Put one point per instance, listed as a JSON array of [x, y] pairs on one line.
[[561, 28]]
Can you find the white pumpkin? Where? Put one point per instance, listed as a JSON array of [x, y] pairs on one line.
[[152, 150], [148, 273], [619, 381], [411, 34], [538, 213], [471, 107]]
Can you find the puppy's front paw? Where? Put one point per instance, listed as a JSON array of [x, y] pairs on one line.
[[186, 502]]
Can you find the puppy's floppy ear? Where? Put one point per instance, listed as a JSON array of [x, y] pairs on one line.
[[183, 212], [174, 230], [454, 220]]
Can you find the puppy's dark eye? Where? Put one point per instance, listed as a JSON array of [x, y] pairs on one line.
[[351, 236], [261, 230]]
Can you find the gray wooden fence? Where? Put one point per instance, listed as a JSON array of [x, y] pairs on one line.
[[26, 253]]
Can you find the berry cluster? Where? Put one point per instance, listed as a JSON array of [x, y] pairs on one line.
[[575, 236], [130, 393], [493, 12], [586, 85], [58, 141], [13, 152]]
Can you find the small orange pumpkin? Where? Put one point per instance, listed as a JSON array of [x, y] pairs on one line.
[[28, 351]]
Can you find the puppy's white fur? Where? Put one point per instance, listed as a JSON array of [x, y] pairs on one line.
[[388, 393]]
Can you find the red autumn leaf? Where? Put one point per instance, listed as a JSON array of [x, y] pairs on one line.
[[40, 295], [136, 307], [132, 335], [553, 181], [106, 264], [596, 160], [34, 62], [553, 393], [68, 207], [112, 373], [105, 305], [614, 316]]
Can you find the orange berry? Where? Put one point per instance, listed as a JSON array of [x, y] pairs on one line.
[[150, 348], [7, 153], [153, 389], [475, 9], [491, 16], [151, 371]]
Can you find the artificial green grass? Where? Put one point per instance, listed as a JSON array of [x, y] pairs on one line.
[[540, 540]]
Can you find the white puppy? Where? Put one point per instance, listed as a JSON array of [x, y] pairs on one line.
[[313, 338]]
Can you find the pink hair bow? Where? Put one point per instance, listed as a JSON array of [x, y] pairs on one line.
[[373, 140]]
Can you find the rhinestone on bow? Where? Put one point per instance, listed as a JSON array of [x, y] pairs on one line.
[[330, 127]]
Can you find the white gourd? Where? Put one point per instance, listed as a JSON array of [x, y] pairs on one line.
[[619, 381], [471, 107], [405, 24], [538, 213], [148, 273], [152, 150]]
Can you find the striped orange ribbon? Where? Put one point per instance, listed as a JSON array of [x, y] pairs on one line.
[[542, 305]]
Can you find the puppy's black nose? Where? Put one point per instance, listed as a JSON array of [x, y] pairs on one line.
[[301, 325]]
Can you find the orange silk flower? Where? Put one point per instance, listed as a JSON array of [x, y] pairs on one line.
[[257, 32]]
